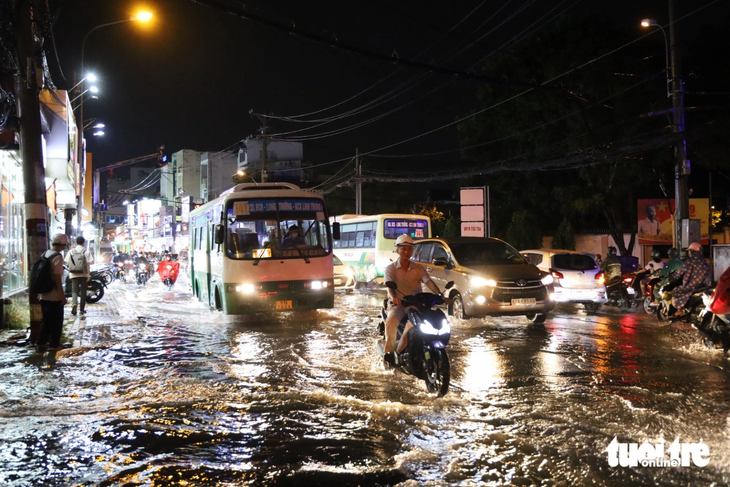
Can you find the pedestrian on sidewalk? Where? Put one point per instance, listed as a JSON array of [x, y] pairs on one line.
[[53, 301], [78, 260]]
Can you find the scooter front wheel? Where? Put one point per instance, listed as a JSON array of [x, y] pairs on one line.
[[438, 372], [648, 307]]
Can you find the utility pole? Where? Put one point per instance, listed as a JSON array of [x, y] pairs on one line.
[[265, 148], [682, 165], [28, 83], [358, 184]]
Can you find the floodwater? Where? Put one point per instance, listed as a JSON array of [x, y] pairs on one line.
[[180, 395]]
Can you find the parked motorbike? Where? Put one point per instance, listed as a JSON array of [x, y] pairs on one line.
[[425, 355], [95, 286]]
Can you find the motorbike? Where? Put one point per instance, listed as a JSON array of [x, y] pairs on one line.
[[95, 286], [142, 274], [425, 355], [118, 271], [693, 306], [714, 328], [620, 292], [168, 271]]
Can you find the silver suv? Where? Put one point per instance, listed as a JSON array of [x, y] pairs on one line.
[[490, 277]]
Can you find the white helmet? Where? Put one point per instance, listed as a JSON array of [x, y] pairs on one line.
[[404, 239]]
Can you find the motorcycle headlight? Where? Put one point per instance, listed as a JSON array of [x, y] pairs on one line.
[[547, 280], [427, 328], [706, 299]]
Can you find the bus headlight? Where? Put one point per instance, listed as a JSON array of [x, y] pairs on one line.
[[317, 285], [245, 288]]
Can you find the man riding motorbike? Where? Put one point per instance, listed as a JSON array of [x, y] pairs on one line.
[[650, 271], [408, 276], [695, 274], [611, 267]]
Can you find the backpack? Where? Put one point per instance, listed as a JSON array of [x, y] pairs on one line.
[[41, 277], [78, 261]]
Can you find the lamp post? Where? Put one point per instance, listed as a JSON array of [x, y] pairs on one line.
[[80, 150], [682, 165]]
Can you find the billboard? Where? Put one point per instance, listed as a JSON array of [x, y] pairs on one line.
[[655, 220]]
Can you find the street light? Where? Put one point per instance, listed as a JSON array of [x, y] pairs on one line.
[[141, 17], [653, 23]]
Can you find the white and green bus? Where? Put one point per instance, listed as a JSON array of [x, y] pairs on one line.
[[242, 259], [367, 243]]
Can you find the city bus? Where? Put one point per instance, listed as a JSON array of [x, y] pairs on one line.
[[244, 260], [367, 243]]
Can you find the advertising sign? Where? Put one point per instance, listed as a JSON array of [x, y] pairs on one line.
[[655, 220], [474, 212]]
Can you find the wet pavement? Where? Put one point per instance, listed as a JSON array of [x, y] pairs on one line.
[[159, 390]]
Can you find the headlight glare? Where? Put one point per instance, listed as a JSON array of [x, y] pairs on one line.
[[480, 281], [547, 280], [245, 288]]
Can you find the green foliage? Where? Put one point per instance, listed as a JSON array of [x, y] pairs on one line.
[[452, 228], [563, 238], [523, 233], [17, 316]]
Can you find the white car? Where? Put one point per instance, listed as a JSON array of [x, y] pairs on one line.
[[344, 276], [578, 278]]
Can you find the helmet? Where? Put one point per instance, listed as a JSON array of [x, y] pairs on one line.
[[612, 250], [404, 239], [60, 239], [656, 255], [695, 247], [673, 253]]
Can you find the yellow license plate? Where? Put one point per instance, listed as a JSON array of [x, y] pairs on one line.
[[284, 304]]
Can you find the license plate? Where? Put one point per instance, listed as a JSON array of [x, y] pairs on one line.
[[284, 304], [523, 301]]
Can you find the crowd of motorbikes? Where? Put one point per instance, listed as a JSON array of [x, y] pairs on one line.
[[707, 309], [122, 269]]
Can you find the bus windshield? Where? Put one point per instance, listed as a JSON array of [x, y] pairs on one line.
[[276, 228]]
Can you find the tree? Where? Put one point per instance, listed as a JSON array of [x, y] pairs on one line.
[[563, 237], [585, 116]]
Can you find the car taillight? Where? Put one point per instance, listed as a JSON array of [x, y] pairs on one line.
[[556, 274], [601, 278]]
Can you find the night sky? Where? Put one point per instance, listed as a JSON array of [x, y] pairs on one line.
[[189, 79]]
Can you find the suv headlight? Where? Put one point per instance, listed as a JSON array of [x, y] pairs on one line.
[[547, 280], [480, 282]]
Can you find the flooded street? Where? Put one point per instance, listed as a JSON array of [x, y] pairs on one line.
[[175, 394]]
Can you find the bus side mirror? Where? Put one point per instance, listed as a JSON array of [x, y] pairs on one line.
[[219, 234], [336, 230]]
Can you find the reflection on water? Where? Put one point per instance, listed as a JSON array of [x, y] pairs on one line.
[[176, 394]]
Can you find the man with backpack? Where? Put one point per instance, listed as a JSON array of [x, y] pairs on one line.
[[49, 271], [77, 261]]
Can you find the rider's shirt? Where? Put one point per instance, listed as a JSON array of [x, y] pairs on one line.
[[652, 266], [408, 281]]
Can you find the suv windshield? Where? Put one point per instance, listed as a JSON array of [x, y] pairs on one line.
[[486, 253], [276, 228], [574, 262]]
